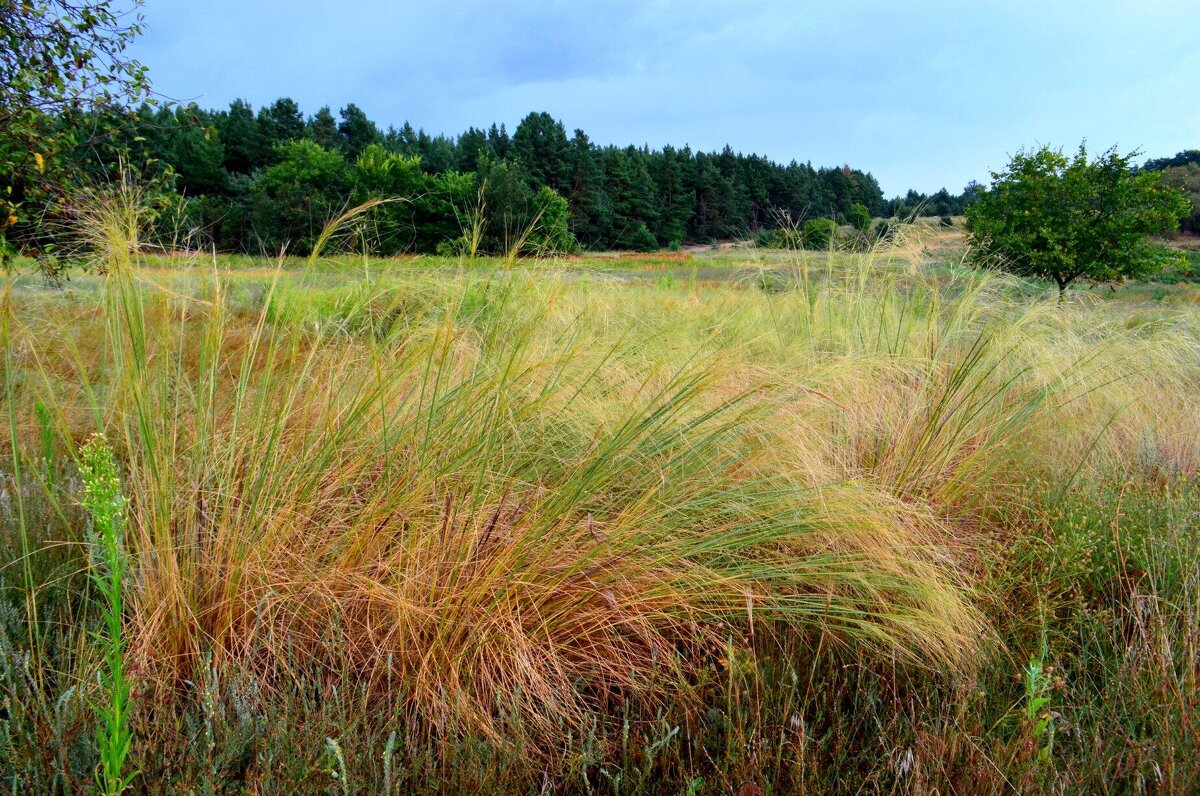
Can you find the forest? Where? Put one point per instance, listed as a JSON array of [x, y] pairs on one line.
[[257, 181]]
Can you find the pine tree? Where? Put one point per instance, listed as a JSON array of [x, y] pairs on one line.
[[678, 203], [281, 121], [322, 129], [470, 145], [196, 152], [633, 199], [407, 140], [356, 132], [590, 204], [242, 137], [498, 141], [540, 143]]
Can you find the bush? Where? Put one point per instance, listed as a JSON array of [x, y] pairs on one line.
[[860, 217], [517, 217], [1187, 179], [638, 238], [552, 233], [820, 233], [785, 238]]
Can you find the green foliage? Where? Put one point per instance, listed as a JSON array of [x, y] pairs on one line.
[[1186, 178], [590, 204], [1038, 716], [1183, 158], [860, 217], [56, 57], [617, 197], [196, 152], [282, 121], [356, 132], [106, 506], [784, 238], [552, 233], [291, 201], [242, 138], [322, 128], [631, 189], [1059, 218], [421, 208], [820, 233], [540, 143]]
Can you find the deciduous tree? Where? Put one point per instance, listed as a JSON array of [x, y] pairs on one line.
[[1061, 218], [56, 56]]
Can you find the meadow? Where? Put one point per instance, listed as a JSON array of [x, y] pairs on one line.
[[749, 522]]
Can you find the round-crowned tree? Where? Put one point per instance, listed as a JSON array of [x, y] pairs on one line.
[[1061, 218]]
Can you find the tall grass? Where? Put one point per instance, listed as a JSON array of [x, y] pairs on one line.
[[432, 514], [560, 522]]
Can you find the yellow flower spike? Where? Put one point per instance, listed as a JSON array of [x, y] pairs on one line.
[[12, 219], [41, 161]]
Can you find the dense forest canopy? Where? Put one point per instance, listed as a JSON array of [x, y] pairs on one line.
[[255, 180]]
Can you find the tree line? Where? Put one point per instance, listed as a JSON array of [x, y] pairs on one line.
[[259, 180], [1182, 171], [255, 180]]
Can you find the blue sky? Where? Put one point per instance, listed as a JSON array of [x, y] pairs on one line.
[[921, 94]]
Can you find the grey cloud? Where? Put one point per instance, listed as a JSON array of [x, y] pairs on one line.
[[923, 95]]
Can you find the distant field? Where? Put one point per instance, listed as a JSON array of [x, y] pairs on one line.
[[789, 521]]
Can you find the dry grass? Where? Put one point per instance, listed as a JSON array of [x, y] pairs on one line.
[[524, 500]]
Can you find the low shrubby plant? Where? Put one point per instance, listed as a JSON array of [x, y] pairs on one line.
[[820, 233]]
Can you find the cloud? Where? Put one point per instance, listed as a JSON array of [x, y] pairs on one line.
[[922, 95]]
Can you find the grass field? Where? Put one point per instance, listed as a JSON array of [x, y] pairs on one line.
[[746, 522]]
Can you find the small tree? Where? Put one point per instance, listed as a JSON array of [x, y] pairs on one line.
[[1059, 218], [860, 217], [820, 233]]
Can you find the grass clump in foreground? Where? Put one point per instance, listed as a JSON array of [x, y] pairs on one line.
[[469, 531]]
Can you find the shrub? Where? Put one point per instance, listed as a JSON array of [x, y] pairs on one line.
[[638, 238], [552, 232], [420, 211], [786, 238], [860, 217], [820, 233], [1187, 179]]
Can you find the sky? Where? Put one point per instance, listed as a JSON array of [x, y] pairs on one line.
[[923, 94]]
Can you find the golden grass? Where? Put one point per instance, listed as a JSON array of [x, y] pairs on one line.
[[531, 496]]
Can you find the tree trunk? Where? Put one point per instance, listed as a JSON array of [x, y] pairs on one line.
[[1062, 288]]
